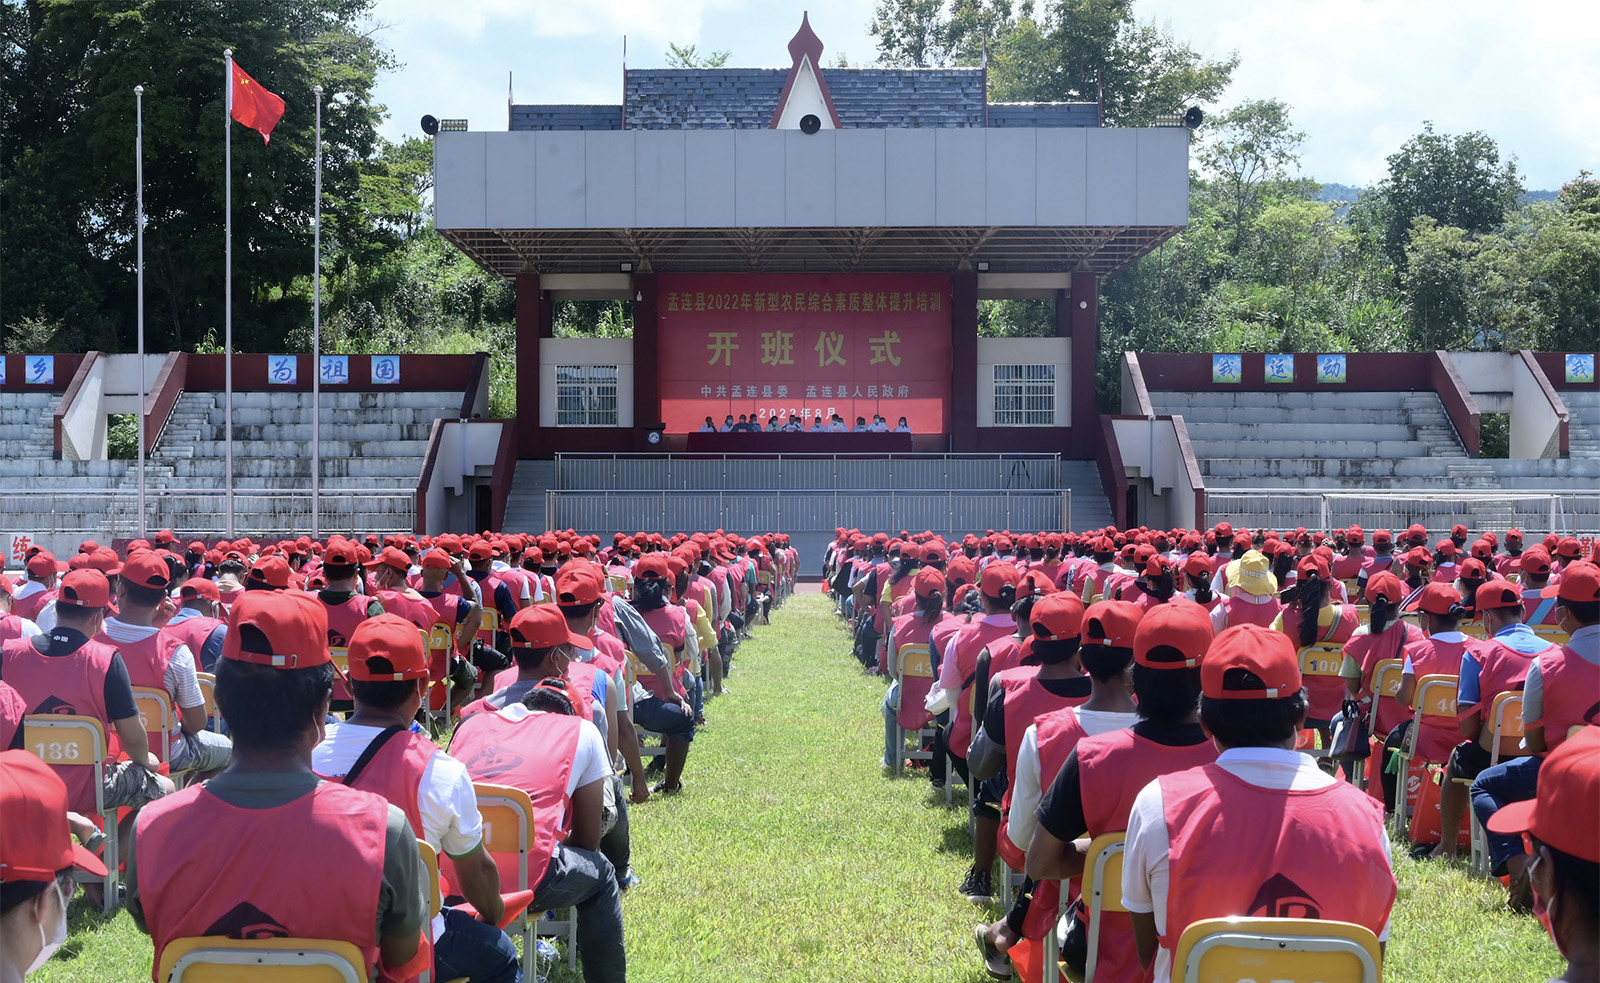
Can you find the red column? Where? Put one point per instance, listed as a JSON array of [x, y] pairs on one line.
[[1083, 315], [533, 318], [646, 347], [963, 363]]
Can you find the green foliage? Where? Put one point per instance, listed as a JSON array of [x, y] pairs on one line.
[[593, 319], [122, 436], [686, 56], [1016, 319], [1494, 435]]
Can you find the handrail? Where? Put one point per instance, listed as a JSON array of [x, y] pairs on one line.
[[1133, 376], [64, 404], [1557, 404], [477, 385], [1191, 467], [805, 491], [1459, 406], [1113, 477], [750, 456], [505, 472], [429, 460], [163, 396]]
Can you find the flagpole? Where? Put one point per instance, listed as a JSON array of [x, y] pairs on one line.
[[316, 335], [138, 219], [227, 277]]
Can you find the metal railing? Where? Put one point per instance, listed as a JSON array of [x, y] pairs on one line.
[[604, 511], [1542, 511], [109, 513], [842, 472]]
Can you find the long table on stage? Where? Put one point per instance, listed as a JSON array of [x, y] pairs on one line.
[[798, 443]]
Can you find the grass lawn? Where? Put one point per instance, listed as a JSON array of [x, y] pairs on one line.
[[790, 857]]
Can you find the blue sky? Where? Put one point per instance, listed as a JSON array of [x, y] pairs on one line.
[[1360, 76]]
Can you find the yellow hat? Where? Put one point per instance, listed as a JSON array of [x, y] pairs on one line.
[[1255, 575]]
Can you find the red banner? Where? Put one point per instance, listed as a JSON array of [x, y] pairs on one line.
[[804, 345]]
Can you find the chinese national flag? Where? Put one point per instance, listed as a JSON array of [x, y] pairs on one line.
[[253, 105]]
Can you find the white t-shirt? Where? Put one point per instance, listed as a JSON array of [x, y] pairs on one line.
[[28, 628], [179, 680], [1029, 789], [1145, 856]]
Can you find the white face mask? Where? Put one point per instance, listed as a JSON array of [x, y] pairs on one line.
[[51, 941]]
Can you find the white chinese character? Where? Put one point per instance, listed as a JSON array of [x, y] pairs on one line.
[[783, 392], [905, 391], [705, 390], [766, 392], [722, 392], [738, 392], [811, 392], [827, 392], [872, 392]]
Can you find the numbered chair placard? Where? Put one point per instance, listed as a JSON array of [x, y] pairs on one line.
[[283, 370], [335, 370], [386, 370]]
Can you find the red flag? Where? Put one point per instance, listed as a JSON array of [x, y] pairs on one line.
[[253, 105]]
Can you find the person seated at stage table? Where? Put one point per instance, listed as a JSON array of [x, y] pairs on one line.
[[727, 424], [772, 424], [861, 425], [836, 425], [708, 426], [819, 426], [879, 424], [794, 424], [902, 426]]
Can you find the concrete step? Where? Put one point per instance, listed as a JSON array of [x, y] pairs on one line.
[[1332, 448], [1284, 401], [297, 448], [1206, 431]]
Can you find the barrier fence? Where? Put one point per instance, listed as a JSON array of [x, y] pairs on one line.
[[831, 472], [112, 513], [807, 510], [1534, 512]]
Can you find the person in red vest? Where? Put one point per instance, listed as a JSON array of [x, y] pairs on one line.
[[1384, 636], [1538, 607], [1311, 616], [1559, 697], [1252, 594], [37, 860], [668, 699], [903, 703], [559, 758], [328, 862], [378, 750], [1510, 562], [39, 588], [1261, 832], [159, 660], [1562, 825], [11, 624], [347, 606], [67, 670], [958, 667], [199, 623], [1498, 665]]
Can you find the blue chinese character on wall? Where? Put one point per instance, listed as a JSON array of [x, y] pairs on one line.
[[1227, 368], [1280, 368], [283, 370], [1580, 368], [385, 370], [335, 370], [1331, 368], [40, 371]]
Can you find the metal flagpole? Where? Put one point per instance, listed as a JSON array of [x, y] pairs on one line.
[[316, 336], [138, 221], [227, 278]]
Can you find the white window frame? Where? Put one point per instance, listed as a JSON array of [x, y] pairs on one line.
[[595, 387], [1024, 395]]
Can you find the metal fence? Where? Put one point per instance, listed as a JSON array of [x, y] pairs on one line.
[[605, 511], [109, 513], [1540, 512], [832, 472]]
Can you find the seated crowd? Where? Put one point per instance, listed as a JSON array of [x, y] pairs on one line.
[[1195, 694], [365, 695]]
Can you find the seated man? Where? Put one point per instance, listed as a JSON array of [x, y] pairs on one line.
[[1195, 838], [559, 759], [667, 709], [199, 623], [376, 750], [11, 625], [358, 852]]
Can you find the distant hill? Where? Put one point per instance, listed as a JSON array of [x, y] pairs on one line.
[[1347, 193]]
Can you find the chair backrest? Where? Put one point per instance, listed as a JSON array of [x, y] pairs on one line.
[[340, 656], [507, 828], [1103, 867], [1472, 629], [1505, 719], [65, 740], [1552, 634], [1293, 950], [430, 863], [440, 638], [491, 619], [617, 584], [155, 717], [208, 692], [1321, 659], [214, 959], [916, 660], [1436, 696]]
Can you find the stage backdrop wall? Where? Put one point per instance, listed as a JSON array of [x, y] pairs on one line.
[[767, 344]]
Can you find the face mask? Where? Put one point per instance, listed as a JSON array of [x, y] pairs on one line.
[[1541, 910], [50, 942]]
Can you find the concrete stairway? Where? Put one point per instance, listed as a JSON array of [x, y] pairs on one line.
[[1583, 422], [27, 425], [525, 507], [1090, 509]]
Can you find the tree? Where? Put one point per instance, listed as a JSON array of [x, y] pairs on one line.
[[1246, 151], [1438, 285], [686, 56]]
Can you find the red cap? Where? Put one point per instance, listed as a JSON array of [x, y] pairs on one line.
[[43, 564], [449, 542], [1155, 565], [1386, 586], [1535, 561], [1436, 598], [390, 557], [1418, 556], [199, 587], [1312, 563], [1481, 549], [1111, 623], [390, 637], [86, 589], [147, 570], [1197, 563], [291, 626], [481, 550], [35, 840], [579, 583], [1266, 653], [342, 552], [934, 553], [998, 575], [1472, 568], [1580, 582], [543, 626], [1057, 617], [1445, 548], [1417, 533], [1566, 813], [1181, 624], [1458, 530], [1569, 549], [272, 571], [437, 559], [1513, 535], [1382, 537], [928, 582], [653, 563], [165, 536], [1497, 594]]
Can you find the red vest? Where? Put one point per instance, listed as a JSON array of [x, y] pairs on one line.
[[147, 659], [417, 610], [1347, 566], [1369, 650], [1430, 657], [671, 625], [1324, 694], [71, 684], [28, 608], [193, 632], [1571, 686], [319, 873], [12, 710], [969, 642], [1242, 612], [580, 688], [912, 629], [1501, 669], [10, 627], [1238, 849], [1058, 733], [1377, 563], [345, 618], [1505, 564], [1026, 701], [535, 754]]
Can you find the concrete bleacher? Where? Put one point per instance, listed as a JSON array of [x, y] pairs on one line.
[[1583, 425]]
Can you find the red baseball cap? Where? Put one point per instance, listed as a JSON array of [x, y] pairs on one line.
[[928, 582], [543, 626], [43, 564], [996, 576], [1495, 594], [1458, 530], [289, 630], [271, 571], [164, 537], [201, 588], [1580, 582], [1111, 623], [1418, 556], [1382, 537], [1180, 624], [147, 570], [86, 589], [934, 553], [35, 840], [389, 637], [1445, 548], [437, 559], [1513, 535], [579, 583], [1569, 549], [341, 552], [1417, 533], [1266, 653], [1197, 563], [1386, 586], [1566, 813], [1535, 561], [1481, 549], [1312, 563], [390, 557], [1057, 617], [481, 550], [653, 564], [1436, 598], [1472, 568]]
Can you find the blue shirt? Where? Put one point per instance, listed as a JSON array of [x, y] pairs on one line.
[[1517, 638]]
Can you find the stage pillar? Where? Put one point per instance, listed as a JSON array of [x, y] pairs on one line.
[[646, 365], [534, 321], [1082, 322], [963, 363]]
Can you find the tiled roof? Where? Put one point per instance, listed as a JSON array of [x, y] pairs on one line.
[[1044, 114], [571, 117]]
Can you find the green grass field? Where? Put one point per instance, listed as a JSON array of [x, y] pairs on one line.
[[790, 857]]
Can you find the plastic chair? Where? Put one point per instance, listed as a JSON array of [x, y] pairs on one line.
[[1505, 717], [915, 663], [507, 831], [646, 751], [1552, 634], [1291, 950], [214, 959], [69, 741], [618, 585], [1435, 697], [1386, 676], [155, 718], [491, 620], [208, 692], [1102, 867], [1323, 660], [340, 657]]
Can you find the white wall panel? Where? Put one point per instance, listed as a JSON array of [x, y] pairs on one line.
[[558, 180], [708, 179], [659, 187]]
